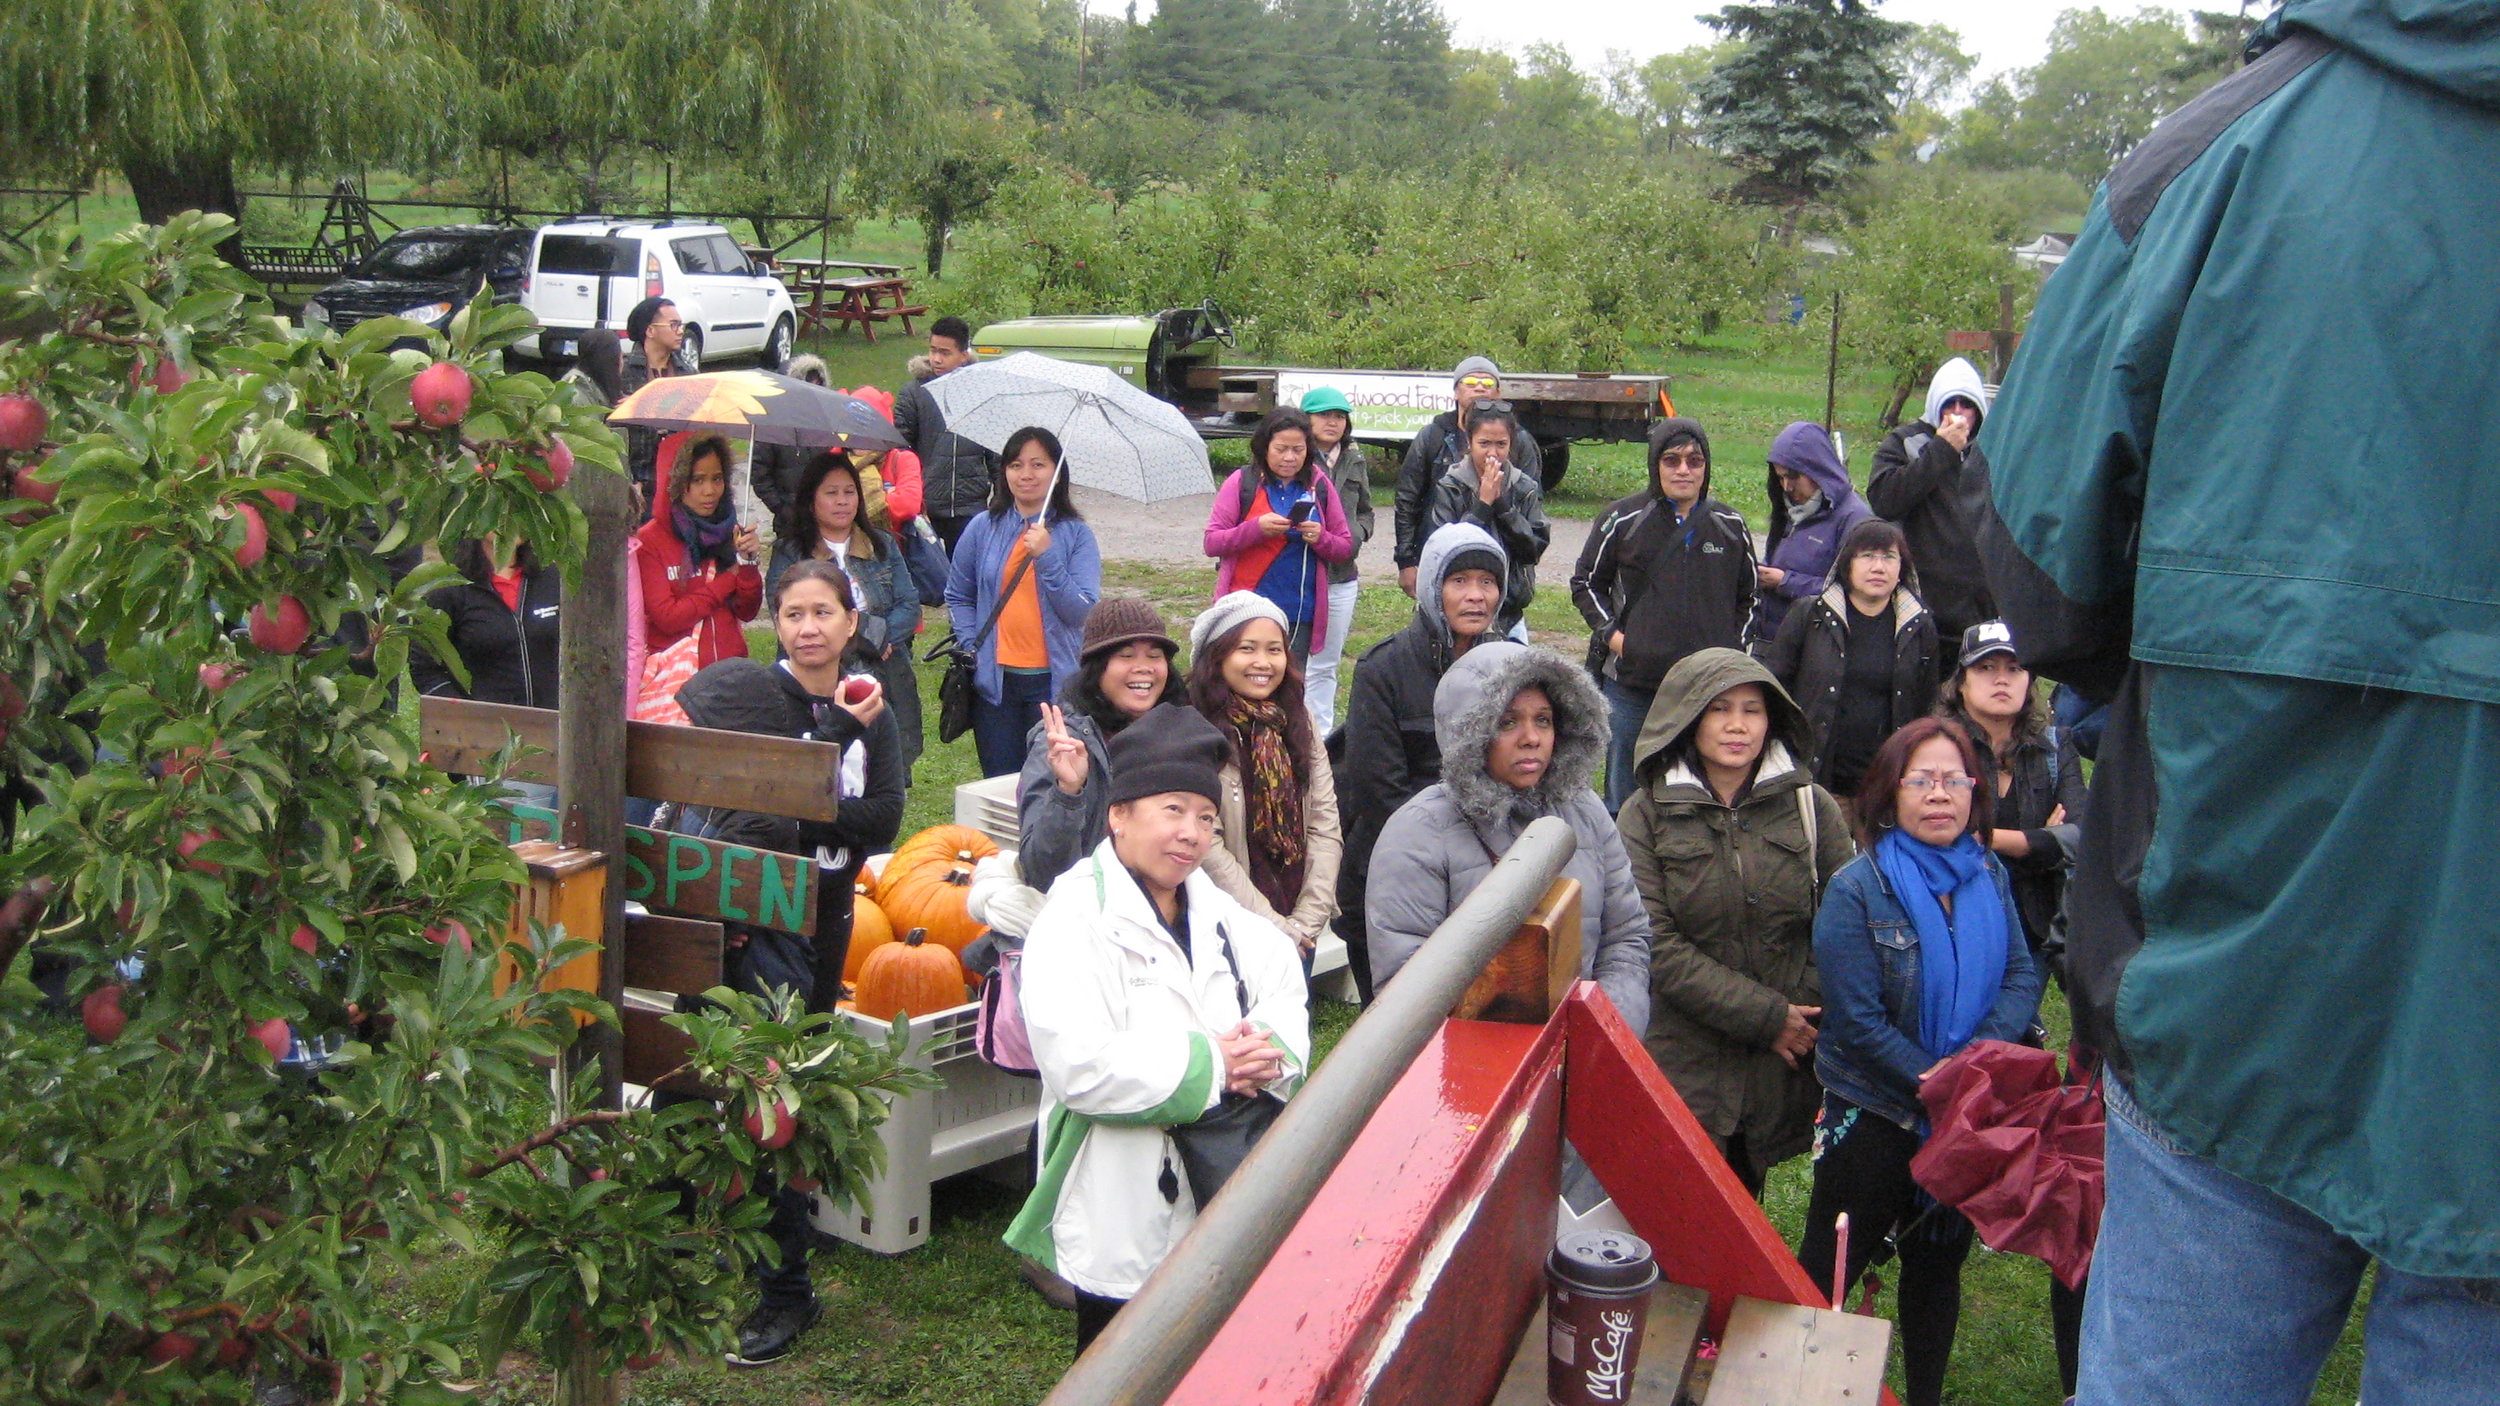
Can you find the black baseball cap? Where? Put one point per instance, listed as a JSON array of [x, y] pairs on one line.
[[1986, 638]]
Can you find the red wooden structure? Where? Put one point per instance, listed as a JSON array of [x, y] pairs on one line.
[[1413, 1272]]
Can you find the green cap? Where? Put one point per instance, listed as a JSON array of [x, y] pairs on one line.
[[1320, 398]]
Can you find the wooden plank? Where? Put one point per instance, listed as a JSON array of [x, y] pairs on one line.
[[653, 1048], [694, 765], [1526, 982], [681, 956], [703, 878], [1424, 1248], [1779, 1354]]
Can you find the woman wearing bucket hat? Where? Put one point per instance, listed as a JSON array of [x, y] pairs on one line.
[[1346, 462], [1279, 846], [1124, 668]]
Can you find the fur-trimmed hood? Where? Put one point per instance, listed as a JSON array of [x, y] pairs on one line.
[[1468, 706]]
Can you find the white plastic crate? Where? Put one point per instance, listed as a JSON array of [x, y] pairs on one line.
[[979, 1116], [989, 806]]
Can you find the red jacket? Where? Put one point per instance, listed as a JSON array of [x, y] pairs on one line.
[[677, 602]]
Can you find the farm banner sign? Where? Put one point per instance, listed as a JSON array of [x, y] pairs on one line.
[[703, 878], [1387, 404]]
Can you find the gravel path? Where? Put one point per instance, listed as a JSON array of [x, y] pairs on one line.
[[1170, 532]]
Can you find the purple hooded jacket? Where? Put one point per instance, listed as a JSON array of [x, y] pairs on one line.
[[1805, 550]]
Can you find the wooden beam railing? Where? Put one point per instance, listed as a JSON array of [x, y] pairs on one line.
[[692, 765], [1154, 1341]]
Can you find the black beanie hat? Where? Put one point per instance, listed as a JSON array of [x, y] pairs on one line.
[[1171, 748]]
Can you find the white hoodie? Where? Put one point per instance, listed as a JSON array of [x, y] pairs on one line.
[[1124, 1027]]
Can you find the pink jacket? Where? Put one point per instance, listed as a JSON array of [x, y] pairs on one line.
[[1229, 536], [637, 649]]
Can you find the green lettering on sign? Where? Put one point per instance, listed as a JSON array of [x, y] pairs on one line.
[[667, 873]]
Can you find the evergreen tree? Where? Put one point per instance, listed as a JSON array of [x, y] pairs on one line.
[[1802, 103]]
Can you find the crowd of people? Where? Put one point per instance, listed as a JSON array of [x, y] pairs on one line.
[[1831, 829]]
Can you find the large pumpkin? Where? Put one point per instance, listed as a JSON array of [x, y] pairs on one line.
[[928, 879], [909, 977], [870, 930]]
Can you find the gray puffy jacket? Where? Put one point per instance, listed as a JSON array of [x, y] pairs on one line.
[[1441, 844]]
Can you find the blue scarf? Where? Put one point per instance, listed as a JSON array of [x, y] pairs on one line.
[[707, 536], [1961, 959]]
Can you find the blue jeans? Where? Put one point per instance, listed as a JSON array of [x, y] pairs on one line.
[[999, 729], [2208, 1290], [1626, 709]]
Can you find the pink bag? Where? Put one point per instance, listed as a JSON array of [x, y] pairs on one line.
[[662, 675], [998, 1032]]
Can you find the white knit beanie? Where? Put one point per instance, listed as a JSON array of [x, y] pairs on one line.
[[1239, 608]]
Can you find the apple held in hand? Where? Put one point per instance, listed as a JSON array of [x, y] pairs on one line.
[[858, 689], [441, 394]]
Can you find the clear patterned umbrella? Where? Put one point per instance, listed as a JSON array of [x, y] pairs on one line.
[[1114, 437]]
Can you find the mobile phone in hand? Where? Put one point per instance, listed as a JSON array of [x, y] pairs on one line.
[[1301, 513]]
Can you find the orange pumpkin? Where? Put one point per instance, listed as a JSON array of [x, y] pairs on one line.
[[927, 881], [911, 976], [870, 930]]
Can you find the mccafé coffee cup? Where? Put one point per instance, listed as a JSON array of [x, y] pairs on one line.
[[1597, 1285]]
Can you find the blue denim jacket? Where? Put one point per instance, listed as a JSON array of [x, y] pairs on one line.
[[1867, 952]]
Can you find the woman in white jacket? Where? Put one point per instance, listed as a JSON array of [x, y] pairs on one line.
[[1133, 990]]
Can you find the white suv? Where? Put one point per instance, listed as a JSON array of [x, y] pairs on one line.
[[585, 273]]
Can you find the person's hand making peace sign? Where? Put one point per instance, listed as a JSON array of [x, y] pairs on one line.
[[1069, 762]]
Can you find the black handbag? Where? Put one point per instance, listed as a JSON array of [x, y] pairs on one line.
[[958, 688], [1211, 1148]]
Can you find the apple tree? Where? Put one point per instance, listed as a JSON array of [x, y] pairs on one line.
[[262, 1040]]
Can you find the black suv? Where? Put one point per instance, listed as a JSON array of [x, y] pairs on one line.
[[425, 275]]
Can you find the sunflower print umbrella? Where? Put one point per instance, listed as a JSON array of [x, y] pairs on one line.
[[759, 406]]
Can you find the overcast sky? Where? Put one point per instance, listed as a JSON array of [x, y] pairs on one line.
[[2003, 33]]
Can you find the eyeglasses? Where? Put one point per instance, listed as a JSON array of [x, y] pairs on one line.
[[1694, 460], [1480, 383], [1925, 781]]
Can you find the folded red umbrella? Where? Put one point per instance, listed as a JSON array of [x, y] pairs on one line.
[[2016, 1148]]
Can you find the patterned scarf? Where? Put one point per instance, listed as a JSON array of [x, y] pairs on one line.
[[708, 536], [1273, 792]]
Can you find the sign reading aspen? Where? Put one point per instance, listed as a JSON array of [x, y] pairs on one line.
[[703, 878]]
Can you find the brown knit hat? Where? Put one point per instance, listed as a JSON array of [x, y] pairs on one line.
[[1118, 620]]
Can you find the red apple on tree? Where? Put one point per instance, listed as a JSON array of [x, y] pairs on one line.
[[22, 422], [174, 1346], [255, 536], [216, 677], [280, 498], [448, 931], [102, 1014], [785, 1125], [191, 843], [281, 627], [274, 1036], [305, 940], [170, 377], [441, 394], [24, 484], [552, 469]]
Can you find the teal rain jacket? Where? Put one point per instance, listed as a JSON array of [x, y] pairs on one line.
[[2246, 473]]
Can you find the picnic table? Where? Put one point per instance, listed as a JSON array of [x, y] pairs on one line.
[[832, 294]]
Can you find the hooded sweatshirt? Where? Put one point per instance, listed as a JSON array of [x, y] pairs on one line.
[[1804, 538], [1919, 483], [1389, 750], [1671, 585], [1731, 893], [1442, 843], [2280, 918]]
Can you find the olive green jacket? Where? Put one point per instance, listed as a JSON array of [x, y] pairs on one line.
[[1731, 894]]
